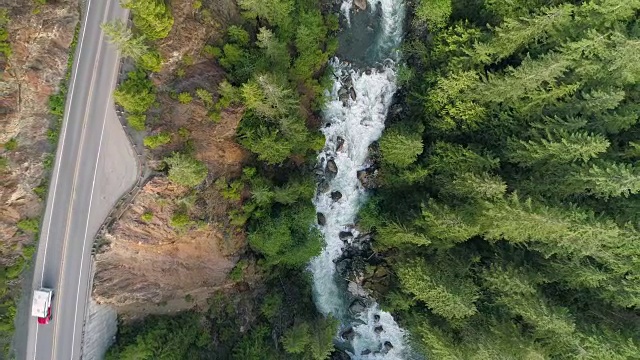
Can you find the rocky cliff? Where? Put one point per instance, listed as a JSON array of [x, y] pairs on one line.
[[40, 38], [156, 262]]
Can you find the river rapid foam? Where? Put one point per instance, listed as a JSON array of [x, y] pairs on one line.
[[354, 117]]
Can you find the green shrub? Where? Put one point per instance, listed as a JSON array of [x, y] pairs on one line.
[[180, 220], [48, 160], [212, 51], [205, 96], [151, 61], [5, 46], [11, 145], [237, 273], [29, 226], [150, 17], [184, 133], [185, 98], [160, 139], [28, 251], [185, 170], [187, 60], [135, 94], [14, 271], [147, 216], [137, 121], [4, 163], [56, 102], [230, 191], [238, 35], [41, 190]]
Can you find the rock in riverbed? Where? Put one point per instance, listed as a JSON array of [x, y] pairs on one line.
[[322, 220], [332, 167]]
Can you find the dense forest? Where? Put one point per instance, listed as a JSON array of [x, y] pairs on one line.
[[274, 64], [509, 213]]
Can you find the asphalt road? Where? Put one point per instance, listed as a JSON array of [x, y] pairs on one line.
[[83, 186]]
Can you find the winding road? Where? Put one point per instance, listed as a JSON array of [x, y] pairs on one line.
[[94, 166]]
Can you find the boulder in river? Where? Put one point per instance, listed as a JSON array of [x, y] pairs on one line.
[[323, 186], [361, 4], [376, 317], [348, 334], [343, 267], [365, 352], [343, 96], [357, 306], [368, 178], [339, 144], [352, 93], [387, 347], [336, 195], [378, 329], [332, 167], [345, 235], [322, 220]]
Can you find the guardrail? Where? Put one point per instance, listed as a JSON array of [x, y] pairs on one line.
[[121, 206]]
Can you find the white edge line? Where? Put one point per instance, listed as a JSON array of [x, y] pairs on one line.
[[89, 104], [86, 228], [93, 184], [65, 121]]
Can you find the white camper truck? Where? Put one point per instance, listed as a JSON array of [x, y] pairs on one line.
[[41, 306]]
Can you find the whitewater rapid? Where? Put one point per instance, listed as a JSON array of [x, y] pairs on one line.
[[354, 117]]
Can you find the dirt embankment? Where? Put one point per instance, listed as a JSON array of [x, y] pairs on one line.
[[155, 263], [40, 39]]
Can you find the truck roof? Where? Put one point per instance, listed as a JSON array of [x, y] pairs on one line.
[[41, 302]]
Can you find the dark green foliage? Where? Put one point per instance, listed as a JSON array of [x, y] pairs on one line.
[[137, 121], [185, 170], [30, 226], [277, 76], [11, 145], [150, 61], [519, 239], [151, 17], [399, 148], [160, 139], [121, 36], [287, 239], [136, 93], [5, 46], [179, 337]]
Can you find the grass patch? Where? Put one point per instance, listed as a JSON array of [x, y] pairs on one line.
[[180, 221], [11, 145], [29, 226], [147, 216]]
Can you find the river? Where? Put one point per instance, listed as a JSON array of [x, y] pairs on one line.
[[354, 116]]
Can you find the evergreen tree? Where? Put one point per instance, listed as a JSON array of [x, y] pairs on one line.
[[449, 294], [558, 147], [151, 17], [399, 149], [121, 36]]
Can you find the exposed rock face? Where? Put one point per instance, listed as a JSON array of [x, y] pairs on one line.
[[193, 28], [368, 178], [40, 42], [149, 262], [332, 167], [322, 220]]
